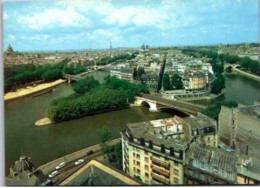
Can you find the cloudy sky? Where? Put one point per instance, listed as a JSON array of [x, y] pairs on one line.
[[82, 24]]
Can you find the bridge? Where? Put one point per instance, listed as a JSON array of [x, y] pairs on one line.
[[70, 77], [157, 103], [230, 66]]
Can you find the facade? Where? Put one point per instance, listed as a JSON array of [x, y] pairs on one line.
[[155, 150], [123, 74], [151, 80], [194, 81], [209, 165]]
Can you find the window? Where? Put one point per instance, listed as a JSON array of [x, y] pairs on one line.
[[138, 156], [134, 161], [134, 154], [146, 175], [146, 159], [138, 171], [214, 143], [176, 164], [176, 171], [176, 180], [208, 139], [146, 167], [134, 169], [146, 153], [137, 163]]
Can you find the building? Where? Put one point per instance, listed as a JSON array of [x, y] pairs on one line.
[[209, 165], [123, 74], [232, 129], [98, 174], [194, 81], [23, 173], [155, 150], [239, 128], [151, 80], [203, 130]]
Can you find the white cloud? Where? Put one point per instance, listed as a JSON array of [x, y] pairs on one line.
[[54, 17], [10, 37]]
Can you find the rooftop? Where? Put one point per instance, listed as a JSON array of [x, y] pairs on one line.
[[253, 111], [97, 173], [172, 132]]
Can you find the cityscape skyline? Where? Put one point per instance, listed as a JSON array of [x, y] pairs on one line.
[[47, 25]]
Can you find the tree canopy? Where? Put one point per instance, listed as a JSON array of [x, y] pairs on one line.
[[166, 82], [177, 81], [85, 85]]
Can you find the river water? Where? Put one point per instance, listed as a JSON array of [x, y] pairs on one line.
[[47, 143]]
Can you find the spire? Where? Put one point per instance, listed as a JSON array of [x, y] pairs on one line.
[[110, 45]]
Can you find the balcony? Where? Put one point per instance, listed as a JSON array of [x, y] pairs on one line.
[[160, 179], [160, 163], [161, 171]]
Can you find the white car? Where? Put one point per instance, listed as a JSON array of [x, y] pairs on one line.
[[79, 161], [60, 166], [54, 173]]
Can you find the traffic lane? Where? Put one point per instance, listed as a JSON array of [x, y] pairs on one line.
[[70, 167]]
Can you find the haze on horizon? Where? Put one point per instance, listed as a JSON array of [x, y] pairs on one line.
[[84, 24]]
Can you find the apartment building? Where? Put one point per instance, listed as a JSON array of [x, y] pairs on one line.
[[154, 151]]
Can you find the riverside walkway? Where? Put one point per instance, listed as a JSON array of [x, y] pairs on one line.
[[255, 77]]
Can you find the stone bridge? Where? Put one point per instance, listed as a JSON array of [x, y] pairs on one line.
[[231, 66], [157, 103]]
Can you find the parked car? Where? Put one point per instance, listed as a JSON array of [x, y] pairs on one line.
[[60, 165], [90, 152], [54, 173], [79, 161]]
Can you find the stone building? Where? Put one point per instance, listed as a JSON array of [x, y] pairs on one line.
[[123, 74], [155, 150], [209, 165], [23, 173], [239, 128], [194, 81]]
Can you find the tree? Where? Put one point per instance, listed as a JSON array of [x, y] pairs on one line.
[[105, 134], [218, 84], [140, 72], [177, 81], [85, 85], [166, 82]]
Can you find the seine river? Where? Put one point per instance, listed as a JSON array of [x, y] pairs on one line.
[[47, 143]]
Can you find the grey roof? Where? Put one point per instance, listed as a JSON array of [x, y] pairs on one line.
[[213, 156]]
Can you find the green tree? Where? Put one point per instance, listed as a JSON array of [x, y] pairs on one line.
[[218, 84], [85, 85], [166, 82], [177, 81], [105, 134]]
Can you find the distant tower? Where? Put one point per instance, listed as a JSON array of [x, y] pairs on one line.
[[110, 48]]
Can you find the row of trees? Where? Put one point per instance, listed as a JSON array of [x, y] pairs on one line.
[[108, 59], [174, 83], [74, 70], [90, 96], [47, 72]]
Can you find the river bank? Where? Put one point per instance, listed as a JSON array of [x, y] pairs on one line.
[[47, 121], [31, 90], [249, 75]]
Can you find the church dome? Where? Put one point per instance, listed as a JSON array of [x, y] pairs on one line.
[[23, 164]]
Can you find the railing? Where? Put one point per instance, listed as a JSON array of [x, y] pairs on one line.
[[160, 179], [161, 171], [160, 163]]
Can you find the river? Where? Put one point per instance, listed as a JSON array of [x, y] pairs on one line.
[[47, 143]]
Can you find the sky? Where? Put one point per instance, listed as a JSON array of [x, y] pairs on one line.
[[84, 24]]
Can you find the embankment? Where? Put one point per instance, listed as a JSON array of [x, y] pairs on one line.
[[32, 90]]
